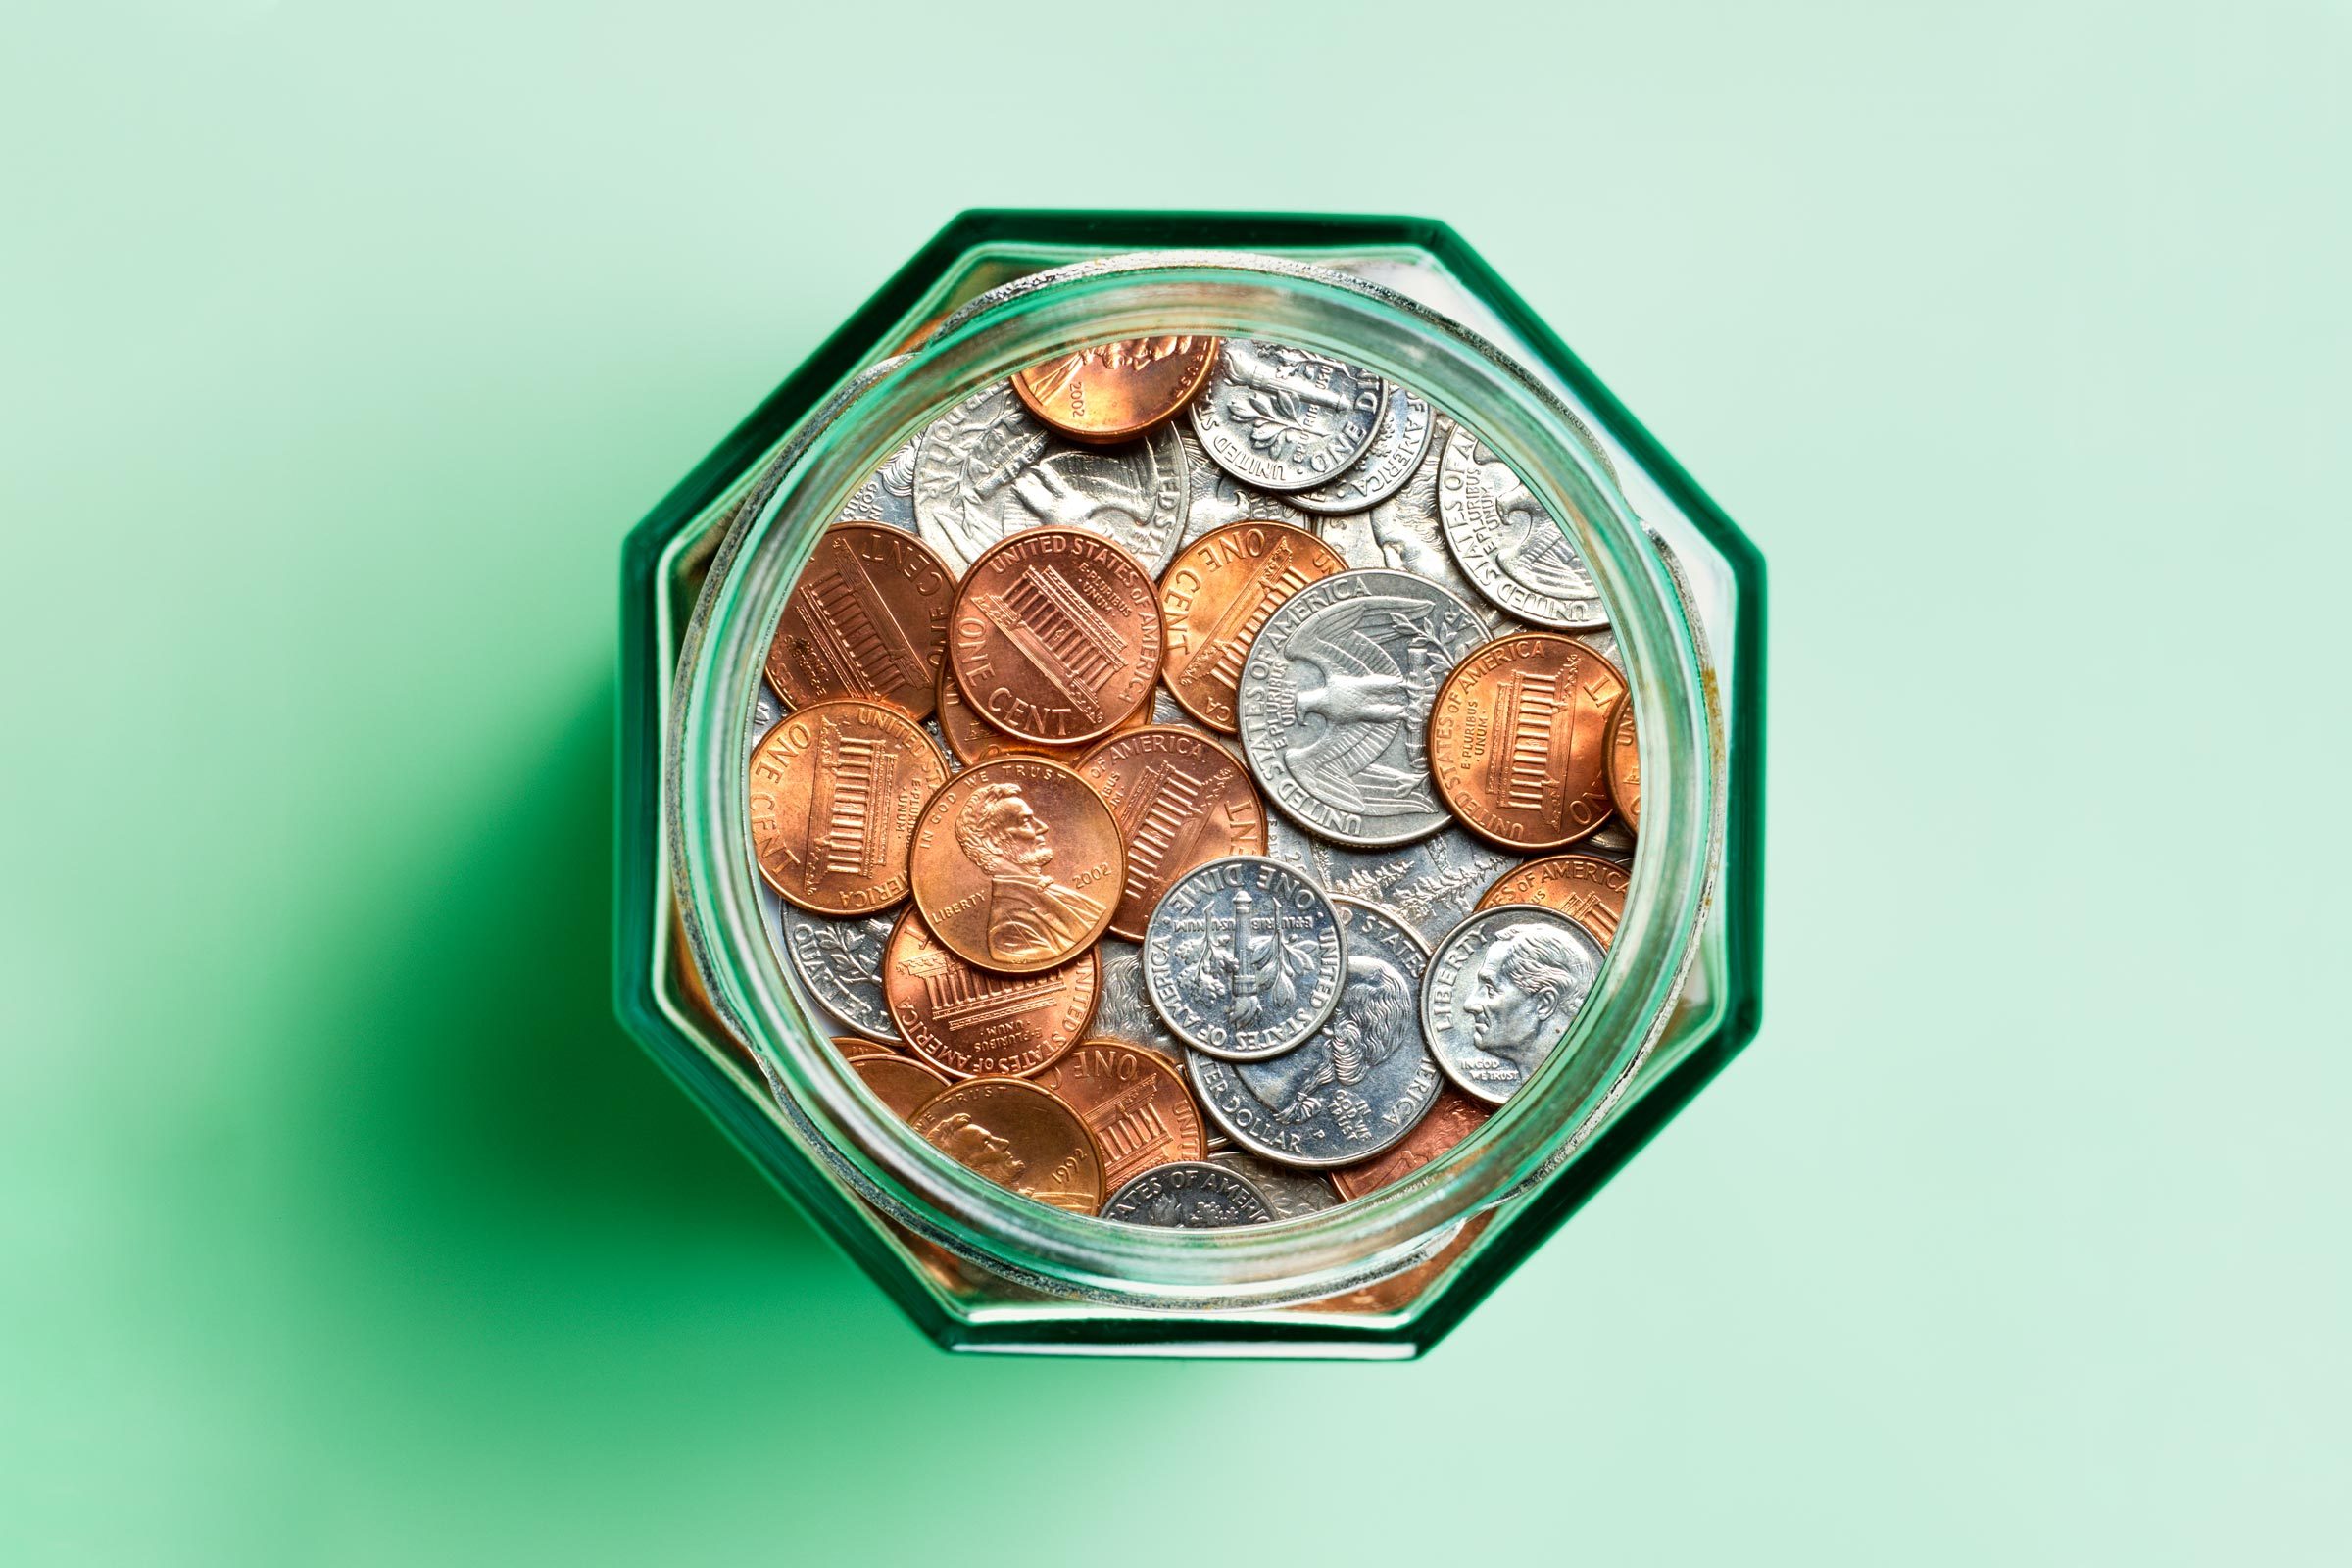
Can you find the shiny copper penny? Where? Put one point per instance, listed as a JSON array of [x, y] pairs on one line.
[[1215, 597], [974, 740], [835, 791], [1625, 765], [1181, 799], [1455, 1117], [1017, 864], [971, 1023], [1019, 1136], [1116, 390], [1055, 635], [1586, 888], [869, 617], [905, 1085], [1518, 740], [852, 1049], [1134, 1102]]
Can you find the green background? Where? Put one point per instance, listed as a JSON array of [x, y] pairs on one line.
[[341, 346]]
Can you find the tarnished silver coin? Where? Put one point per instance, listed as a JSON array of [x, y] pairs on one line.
[[1335, 704], [1243, 957], [888, 495], [1359, 1083], [1502, 991], [1431, 884], [1397, 451], [1402, 533], [1286, 418], [1217, 498], [1122, 1010], [840, 961], [987, 467], [1188, 1194], [1290, 1194], [1506, 543]]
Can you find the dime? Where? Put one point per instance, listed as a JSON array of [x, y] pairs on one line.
[[1402, 533], [1019, 1136], [840, 961], [1135, 1105], [1510, 547], [1625, 765], [905, 1085], [1216, 594], [1017, 864], [1181, 799], [1431, 885], [1290, 1194], [1193, 1195], [835, 789], [1518, 740], [969, 1023], [1287, 419], [986, 469], [888, 495], [1586, 888], [1056, 636], [1244, 957], [1501, 991], [1217, 498], [1396, 450], [972, 739], [1115, 391], [1358, 1085], [1455, 1117], [1335, 704], [868, 618]]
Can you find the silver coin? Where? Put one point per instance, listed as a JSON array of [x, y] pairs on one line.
[[1403, 533], [1431, 885], [1290, 1194], [1121, 1011], [1612, 838], [1605, 643], [1217, 498], [1335, 704], [1397, 451], [1508, 544], [1286, 418], [1501, 991], [840, 961], [888, 495], [1188, 1194], [986, 469], [1359, 1083], [1243, 957]]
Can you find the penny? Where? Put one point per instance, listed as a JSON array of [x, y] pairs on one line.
[[1057, 637], [1181, 799], [1507, 543], [1217, 595], [835, 789], [1017, 864], [1115, 391], [972, 739], [1625, 765], [1403, 534], [905, 1085], [1431, 884], [1135, 1105], [869, 617], [840, 961], [1396, 450], [1218, 499], [1192, 1196], [1290, 1194], [1586, 888], [1286, 418], [1019, 1136], [1518, 740], [970, 1023], [1335, 704], [1455, 1117], [1500, 993], [853, 1050], [1244, 957]]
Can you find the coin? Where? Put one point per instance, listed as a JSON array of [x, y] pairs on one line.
[[1501, 991], [1398, 447], [1402, 533], [905, 1085], [1518, 740], [1290, 1194], [1335, 704], [869, 617], [1122, 1011], [1508, 544], [1586, 888], [1358, 1085], [840, 961], [1017, 864], [1244, 957], [972, 739], [835, 788], [1216, 594], [1625, 765], [888, 495], [987, 469], [1057, 637], [1455, 1117], [1286, 418], [1181, 799], [1019, 1136], [1192, 1196], [970, 1023], [1115, 391], [1613, 841], [1217, 499], [1431, 884], [1135, 1105], [852, 1049]]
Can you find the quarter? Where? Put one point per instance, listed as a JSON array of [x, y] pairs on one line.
[[840, 961], [1508, 544]]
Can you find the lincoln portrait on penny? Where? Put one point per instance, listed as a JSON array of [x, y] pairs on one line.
[[1031, 917]]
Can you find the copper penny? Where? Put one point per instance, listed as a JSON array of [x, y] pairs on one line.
[[1518, 740], [1055, 635], [1215, 597], [1181, 799], [1625, 765], [1019, 1136], [869, 617], [852, 1049], [906, 1087], [975, 740], [1586, 888], [835, 791], [1133, 1102], [1455, 1117], [971, 1023], [1116, 390], [1017, 864]]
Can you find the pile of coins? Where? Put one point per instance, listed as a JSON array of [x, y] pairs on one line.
[[1032, 695]]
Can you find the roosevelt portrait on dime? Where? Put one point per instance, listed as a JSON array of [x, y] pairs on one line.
[[1528, 988]]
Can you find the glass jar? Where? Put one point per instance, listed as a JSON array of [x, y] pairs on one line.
[[703, 985]]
